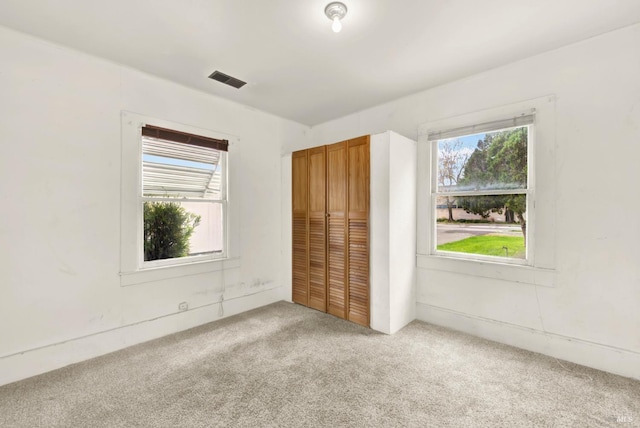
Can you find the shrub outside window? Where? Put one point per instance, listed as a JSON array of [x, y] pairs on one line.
[[183, 197], [481, 190]]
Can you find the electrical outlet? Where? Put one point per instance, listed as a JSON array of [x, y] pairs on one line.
[[183, 306]]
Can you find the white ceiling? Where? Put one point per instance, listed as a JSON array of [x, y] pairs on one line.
[[295, 66]]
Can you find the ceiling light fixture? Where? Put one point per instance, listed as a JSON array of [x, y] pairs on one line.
[[335, 11]]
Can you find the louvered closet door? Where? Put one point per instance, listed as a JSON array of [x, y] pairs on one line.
[[300, 261], [336, 233], [358, 231], [317, 229]]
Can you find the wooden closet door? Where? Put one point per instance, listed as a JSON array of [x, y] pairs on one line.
[[300, 253], [336, 233], [358, 231], [317, 229]]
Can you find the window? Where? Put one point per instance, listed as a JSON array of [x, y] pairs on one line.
[[186, 166], [481, 190], [538, 116], [182, 198]]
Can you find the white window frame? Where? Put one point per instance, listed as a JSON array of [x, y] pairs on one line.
[[528, 191], [142, 264], [539, 269], [133, 268]]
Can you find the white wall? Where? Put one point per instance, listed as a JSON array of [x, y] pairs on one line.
[[60, 295], [392, 231], [591, 314], [287, 229], [379, 246], [402, 229]]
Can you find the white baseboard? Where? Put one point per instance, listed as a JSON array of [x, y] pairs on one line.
[[599, 356], [40, 360]]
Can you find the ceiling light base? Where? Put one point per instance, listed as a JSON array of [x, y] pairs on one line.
[[335, 11]]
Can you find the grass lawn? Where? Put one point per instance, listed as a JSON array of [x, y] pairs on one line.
[[488, 245]]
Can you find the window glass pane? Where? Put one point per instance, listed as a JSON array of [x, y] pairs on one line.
[[208, 236], [181, 171], [181, 229], [488, 225], [486, 161]]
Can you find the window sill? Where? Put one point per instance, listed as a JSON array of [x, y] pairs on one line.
[[152, 274], [501, 271]]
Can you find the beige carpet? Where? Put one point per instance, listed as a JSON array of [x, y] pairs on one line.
[[288, 366]]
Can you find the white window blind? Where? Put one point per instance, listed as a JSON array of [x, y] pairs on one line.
[[180, 170], [181, 165], [479, 128]]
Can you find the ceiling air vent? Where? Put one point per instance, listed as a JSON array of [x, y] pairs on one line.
[[227, 80]]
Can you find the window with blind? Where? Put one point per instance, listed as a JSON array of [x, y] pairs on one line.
[[481, 190], [183, 196]]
